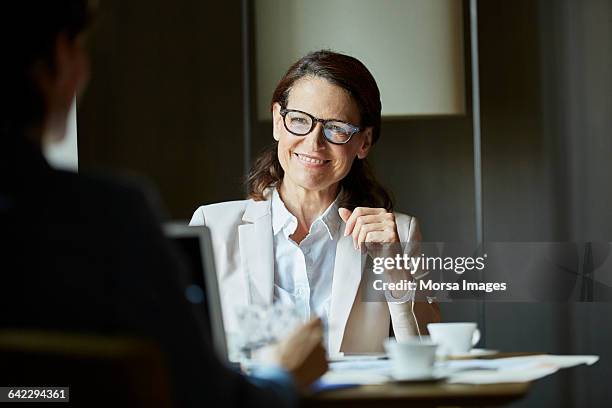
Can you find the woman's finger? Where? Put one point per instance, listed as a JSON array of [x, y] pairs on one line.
[[380, 236], [365, 230], [364, 220], [358, 212]]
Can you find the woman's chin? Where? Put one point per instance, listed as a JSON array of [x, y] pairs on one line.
[[311, 184]]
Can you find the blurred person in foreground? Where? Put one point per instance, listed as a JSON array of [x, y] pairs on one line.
[[86, 254], [313, 202]]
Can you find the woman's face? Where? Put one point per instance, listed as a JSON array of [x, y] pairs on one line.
[[310, 161]]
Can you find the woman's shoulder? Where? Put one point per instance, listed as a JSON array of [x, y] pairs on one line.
[[223, 212], [226, 210]]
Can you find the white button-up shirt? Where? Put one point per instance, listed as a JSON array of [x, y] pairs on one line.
[[303, 273]]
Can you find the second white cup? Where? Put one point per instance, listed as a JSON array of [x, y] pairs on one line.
[[454, 338]]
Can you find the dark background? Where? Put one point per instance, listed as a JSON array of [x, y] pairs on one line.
[[165, 101]]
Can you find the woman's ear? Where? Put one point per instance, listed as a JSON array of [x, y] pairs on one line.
[[366, 144], [277, 121]]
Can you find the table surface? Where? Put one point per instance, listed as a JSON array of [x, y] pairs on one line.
[[419, 395], [422, 394]]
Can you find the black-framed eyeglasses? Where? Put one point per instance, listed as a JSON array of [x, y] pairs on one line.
[[301, 123]]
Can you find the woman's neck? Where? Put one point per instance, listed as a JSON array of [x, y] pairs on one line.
[[306, 205]]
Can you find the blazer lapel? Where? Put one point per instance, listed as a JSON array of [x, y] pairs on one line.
[[346, 280], [257, 252]]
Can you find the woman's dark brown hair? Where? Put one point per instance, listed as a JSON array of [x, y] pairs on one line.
[[359, 187]]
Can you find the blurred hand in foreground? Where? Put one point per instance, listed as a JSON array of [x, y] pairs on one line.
[[301, 353]]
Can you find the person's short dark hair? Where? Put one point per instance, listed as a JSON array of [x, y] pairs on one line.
[[28, 32]]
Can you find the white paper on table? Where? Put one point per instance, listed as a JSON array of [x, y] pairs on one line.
[[512, 369], [358, 371], [558, 360], [364, 364], [362, 377], [525, 374], [477, 371]]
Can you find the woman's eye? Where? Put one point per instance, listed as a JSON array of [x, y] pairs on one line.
[[337, 129], [298, 121]]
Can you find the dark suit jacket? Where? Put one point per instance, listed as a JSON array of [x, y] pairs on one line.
[[87, 254]]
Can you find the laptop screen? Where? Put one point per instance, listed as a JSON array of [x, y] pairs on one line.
[[195, 246]]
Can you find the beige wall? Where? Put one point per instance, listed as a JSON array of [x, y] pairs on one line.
[[414, 48]]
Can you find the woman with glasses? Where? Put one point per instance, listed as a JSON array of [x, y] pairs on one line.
[[313, 205]]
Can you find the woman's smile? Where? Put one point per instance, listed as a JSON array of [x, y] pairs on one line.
[[310, 161]]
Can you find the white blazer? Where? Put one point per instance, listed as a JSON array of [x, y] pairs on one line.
[[242, 240]]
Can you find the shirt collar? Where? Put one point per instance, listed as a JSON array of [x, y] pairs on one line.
[[280, 214], [282, 218]]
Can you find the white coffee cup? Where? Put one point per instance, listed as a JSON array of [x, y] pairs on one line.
[[454, 338], [411, 359]]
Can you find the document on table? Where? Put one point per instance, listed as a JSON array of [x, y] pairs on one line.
[[356, 371], [512, 369], [489, 371]]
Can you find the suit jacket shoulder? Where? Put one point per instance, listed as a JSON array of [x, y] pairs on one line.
[[226, 211]]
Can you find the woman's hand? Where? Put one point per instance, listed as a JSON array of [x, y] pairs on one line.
[[369, 225], [376, 225]]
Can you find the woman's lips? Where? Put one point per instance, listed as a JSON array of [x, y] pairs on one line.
[[310, 161]]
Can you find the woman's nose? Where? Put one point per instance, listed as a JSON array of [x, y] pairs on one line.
[[315, 139]]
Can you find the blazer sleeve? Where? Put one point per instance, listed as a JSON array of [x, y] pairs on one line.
[[411, 318]]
